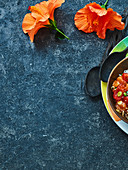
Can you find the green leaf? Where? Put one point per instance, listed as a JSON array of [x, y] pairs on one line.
[[53, 24], [59, 35], [49, 26], [50, 21]]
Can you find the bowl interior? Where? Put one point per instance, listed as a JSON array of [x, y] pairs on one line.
[[118, 69]]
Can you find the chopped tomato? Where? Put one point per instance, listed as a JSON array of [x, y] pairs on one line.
[[125, 77], [121, 87], [118, 94], [126, 87], [125, 99]]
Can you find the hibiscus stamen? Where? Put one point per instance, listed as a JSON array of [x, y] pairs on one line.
[[96, 22]]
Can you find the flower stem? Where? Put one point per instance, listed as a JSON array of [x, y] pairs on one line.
[[62, 33], [106, 3]]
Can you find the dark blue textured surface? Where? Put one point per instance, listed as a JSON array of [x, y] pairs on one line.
[[46, 120]]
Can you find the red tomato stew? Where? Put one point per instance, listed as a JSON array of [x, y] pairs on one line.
[[120, 93]]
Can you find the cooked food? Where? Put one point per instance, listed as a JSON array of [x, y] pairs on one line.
[[120, 93]]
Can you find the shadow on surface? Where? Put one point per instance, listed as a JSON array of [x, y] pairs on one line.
[[43, 38]]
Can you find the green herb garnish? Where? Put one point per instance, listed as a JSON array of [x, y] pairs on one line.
[[119, 93], [125, 94]]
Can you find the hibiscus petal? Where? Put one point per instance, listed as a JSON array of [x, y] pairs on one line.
[[110, 21], [114, 20], [84, 20], [28, 23], [32, 32], [40, 12], [53, 4], [101, 30], [96, 8]]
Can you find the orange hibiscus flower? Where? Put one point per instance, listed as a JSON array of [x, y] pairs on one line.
[[95, 18], [40, 16]]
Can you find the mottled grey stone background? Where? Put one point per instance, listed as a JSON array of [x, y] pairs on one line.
[[46, 120]]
